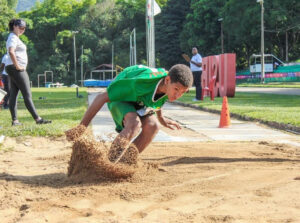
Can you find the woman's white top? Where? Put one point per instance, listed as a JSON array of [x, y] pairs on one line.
[[20, 50]]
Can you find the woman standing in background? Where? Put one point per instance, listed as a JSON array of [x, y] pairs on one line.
[[16, 68]]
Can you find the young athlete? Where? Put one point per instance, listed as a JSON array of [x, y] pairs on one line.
[[133, 98]]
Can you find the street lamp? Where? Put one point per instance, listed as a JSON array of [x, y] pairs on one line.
[[74, 49], [222, 38], [262, 41]]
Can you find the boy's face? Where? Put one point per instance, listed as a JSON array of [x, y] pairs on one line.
[[174, 90]]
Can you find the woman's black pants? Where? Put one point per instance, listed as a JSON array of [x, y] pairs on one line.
[[19, 81]]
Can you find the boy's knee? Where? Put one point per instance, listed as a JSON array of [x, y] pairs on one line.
[[136, 124], [152, 126], [133, 123]]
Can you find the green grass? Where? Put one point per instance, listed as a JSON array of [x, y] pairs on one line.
[[267, 107], [60, 105], [272, 84]]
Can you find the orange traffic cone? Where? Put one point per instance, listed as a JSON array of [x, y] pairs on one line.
[[225, 115]]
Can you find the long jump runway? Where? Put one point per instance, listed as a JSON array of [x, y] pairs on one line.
[[198, 126]]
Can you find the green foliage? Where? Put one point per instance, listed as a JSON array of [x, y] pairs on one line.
[[282, 16], [241, 25], [169, 24], [12, 3], [181, 25], [201, 28], [6, 13]]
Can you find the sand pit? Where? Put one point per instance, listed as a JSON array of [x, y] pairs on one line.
[[92, 160], [89, 161], [118, 153], [178, 182], [77, 132]]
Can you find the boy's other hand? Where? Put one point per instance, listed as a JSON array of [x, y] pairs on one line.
[[169, 123]]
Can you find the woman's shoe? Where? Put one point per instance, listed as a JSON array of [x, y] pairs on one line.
[[16, 123], [43, 121]]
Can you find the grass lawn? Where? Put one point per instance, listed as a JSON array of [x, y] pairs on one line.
[[278, 108], [60, 105], [272, 84]]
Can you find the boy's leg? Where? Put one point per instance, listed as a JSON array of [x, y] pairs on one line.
[[150, 127], [132, 125], [129, 124]]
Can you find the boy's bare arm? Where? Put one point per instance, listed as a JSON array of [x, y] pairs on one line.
[[97, 104], [167, 122]]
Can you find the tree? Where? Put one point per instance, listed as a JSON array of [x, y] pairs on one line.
[[169, 25], [281, 21], [51, 48], [201, 28], [7, 13]]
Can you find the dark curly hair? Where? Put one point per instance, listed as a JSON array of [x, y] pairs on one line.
[[182, 74], [16, 22]]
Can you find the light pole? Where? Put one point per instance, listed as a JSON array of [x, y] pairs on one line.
[[222, 37], [74, 49], [132, 48], [81, 66], [262, 42]]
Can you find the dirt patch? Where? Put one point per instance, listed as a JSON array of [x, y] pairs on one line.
[[130, 156], [176, 182], [89, 161], [77, 132], [92, 160]]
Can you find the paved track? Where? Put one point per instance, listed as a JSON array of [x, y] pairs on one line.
[[284, 91], [205, 124]]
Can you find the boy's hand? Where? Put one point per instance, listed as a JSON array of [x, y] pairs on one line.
[[169, 123]]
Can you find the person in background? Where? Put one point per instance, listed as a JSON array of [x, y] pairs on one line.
[[5, 79], [16, 69], [196, 67]]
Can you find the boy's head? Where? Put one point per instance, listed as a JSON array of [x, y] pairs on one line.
[[178, 81]]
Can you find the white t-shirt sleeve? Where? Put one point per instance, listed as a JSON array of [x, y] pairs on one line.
[[198, 58], [12, 42]]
